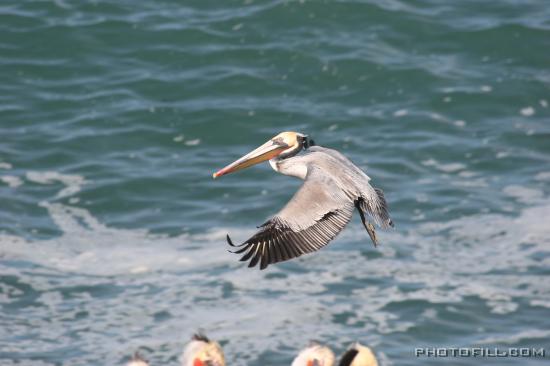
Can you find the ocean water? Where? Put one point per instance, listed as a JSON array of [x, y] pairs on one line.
[[114, 115]]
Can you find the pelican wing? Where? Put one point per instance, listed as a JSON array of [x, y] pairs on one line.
[[371, 200], [318, 211], [374, 204]]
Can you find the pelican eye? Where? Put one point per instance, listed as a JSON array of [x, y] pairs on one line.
[[279, 141]]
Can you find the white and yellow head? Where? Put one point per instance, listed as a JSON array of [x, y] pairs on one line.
[[314, 355], [282, 146], [201, 351], [358, 355], [137, 360]]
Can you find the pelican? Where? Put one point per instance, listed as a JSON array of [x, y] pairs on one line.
[[201, 351], [314, 355], [137, 360], [333, 188], [358, 355]]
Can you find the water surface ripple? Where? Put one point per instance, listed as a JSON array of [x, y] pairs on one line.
[[113, 117]]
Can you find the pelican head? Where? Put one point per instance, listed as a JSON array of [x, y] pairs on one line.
[[358, 355], [201, 351], [137, 360], [282, 146], [314, 355]]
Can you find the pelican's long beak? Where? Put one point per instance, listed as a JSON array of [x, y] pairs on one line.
[[267, 151]]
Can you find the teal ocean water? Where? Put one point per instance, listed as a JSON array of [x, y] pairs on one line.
[[114, 115]]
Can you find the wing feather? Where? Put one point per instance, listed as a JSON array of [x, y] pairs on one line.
[[318, 211], [251, 250], [277, 242], [374, 203], [257, 255]]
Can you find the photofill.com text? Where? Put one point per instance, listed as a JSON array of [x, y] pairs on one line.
[[444, 352]]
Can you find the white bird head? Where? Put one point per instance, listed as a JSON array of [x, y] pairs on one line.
[[282, 146], [137, 360], [201, 351], [314, 355], [358, 355]]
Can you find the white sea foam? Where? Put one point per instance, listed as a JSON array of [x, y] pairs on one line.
[[437, 116], [89, 247], [400, 113], [523, 194], [11, 180], [542, 334], [73, 183], [543, 176], [194, 280], [527, 111], [193, 142], [446, 168]]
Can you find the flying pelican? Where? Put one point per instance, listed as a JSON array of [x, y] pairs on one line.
[[358, 355], [201, 351], [314, 355], [333, 187]]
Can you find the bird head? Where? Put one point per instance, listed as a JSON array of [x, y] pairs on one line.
[[358, 355], [282, 146], [201, 351], [314, 355], [137, 360]]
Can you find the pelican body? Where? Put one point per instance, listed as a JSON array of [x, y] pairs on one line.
[[333, 189]]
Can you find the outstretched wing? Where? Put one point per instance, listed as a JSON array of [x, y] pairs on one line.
[[318, 211]]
